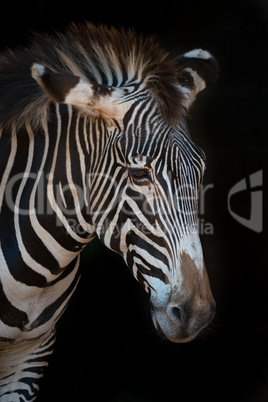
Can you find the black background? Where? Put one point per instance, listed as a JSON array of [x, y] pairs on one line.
[[107, 348]]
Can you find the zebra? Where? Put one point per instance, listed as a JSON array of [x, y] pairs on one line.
[[94, 142]]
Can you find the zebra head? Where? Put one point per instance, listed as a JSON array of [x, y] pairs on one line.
[[144, 183]]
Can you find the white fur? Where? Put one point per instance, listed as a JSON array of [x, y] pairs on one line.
[[198, 54], [108, 106], [37, 70]]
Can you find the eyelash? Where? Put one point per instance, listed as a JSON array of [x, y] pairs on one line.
[[140, 175]]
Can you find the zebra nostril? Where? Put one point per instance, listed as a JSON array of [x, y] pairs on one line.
[[178, 314]]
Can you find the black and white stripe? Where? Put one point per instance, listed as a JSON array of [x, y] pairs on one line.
[[97, 145]]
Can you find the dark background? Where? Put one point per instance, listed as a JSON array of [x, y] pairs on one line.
[[107, 348]]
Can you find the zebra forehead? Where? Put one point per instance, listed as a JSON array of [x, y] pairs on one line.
[[99, 54], [160, 144]]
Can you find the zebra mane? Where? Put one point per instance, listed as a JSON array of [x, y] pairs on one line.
[[104, 55]]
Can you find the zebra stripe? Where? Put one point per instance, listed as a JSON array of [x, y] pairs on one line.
[[95, 143], [23, 385], [23, 327]]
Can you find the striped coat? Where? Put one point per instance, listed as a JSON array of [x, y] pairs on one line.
[[94, 142]]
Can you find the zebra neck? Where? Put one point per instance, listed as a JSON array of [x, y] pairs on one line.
[[44, 195]]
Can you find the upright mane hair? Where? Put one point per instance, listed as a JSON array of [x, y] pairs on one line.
[[104, 55]]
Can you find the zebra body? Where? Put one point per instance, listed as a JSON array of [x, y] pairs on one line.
[[98, 146]]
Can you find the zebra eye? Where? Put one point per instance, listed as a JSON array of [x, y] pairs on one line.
[[140, 175]]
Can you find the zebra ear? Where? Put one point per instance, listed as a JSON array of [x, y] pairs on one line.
[[197, 69], [92, 98]]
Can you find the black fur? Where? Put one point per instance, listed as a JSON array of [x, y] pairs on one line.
[[206, 68], [80, 51], [58, 85]]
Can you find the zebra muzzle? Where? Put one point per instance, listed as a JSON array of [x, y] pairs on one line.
[[189, 308]]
